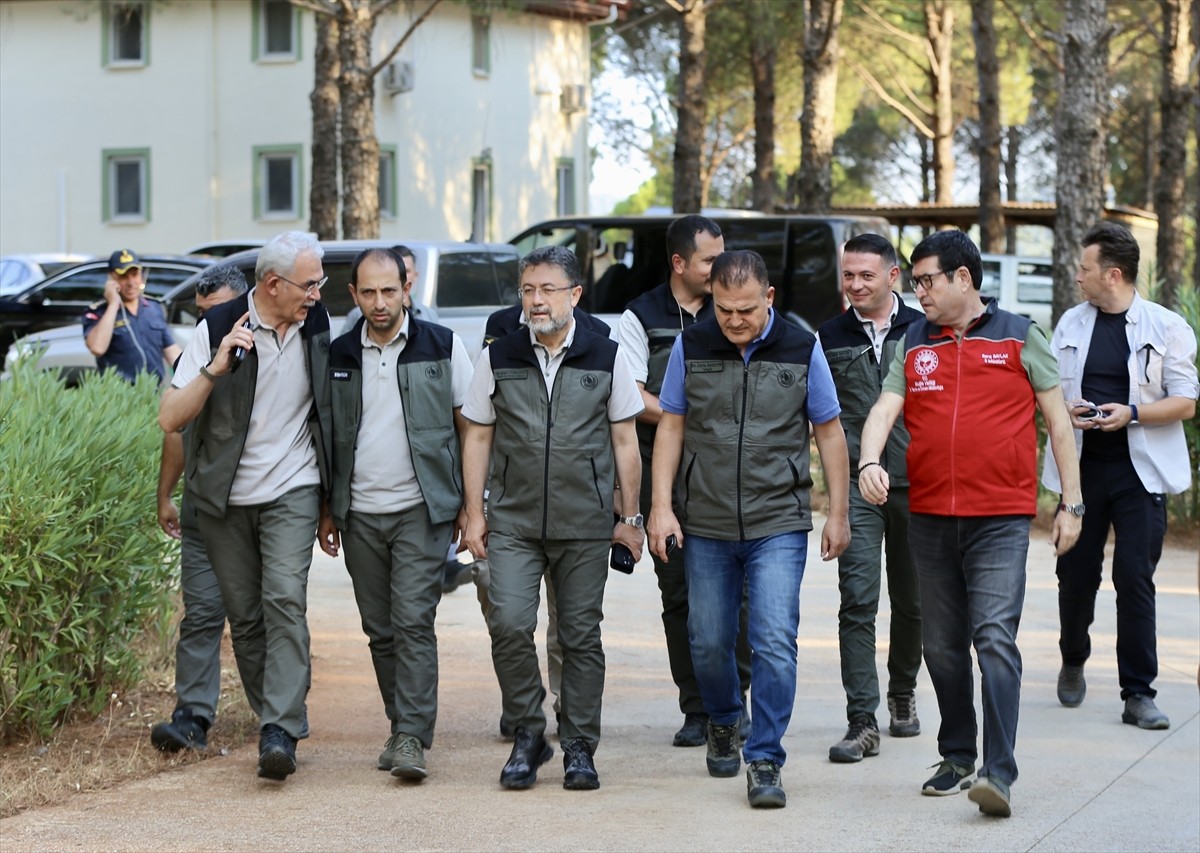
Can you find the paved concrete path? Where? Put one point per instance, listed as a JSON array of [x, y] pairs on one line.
[[1087, 781]]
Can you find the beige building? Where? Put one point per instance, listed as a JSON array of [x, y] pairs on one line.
[[160, 125]]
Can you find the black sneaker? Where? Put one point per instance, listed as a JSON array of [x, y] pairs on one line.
[[408, 761], [764, 785], [694, 731], [185, 731], [861, 739], [723, 759], [276, 753], [950, 778], [579, 769], [902, 708], [1071, 686]]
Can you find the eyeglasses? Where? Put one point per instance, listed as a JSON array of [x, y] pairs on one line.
[[528, 291], [306, 287], [925, 282]]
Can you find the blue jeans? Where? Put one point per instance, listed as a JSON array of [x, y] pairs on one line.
[[771, 569], [971, 575]]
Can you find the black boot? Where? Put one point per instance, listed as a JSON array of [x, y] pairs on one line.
[[529, 752]]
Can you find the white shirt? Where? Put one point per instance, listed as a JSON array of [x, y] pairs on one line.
[[1162, 363], [279, 453], [624, 400], [878, 333]]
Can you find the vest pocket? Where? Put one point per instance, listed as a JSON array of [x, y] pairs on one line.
[[596, 481]]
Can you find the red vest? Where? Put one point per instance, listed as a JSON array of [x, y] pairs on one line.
[[969, 408]]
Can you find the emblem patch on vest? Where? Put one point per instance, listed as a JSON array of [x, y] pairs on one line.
[[588, 381], [509, 373], [433, 371], [706, 366], [925, 362], [786, 378], [340, 375]]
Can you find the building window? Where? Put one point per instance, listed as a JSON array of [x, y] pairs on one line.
[[387, 181], [126, 31], [126, 185], [565, 178], [481, 201], [275, 30], [481, 53], [277, 182]]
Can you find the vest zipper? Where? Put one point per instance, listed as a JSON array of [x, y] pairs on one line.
[[546, 463], [954, 425], [741, 435]]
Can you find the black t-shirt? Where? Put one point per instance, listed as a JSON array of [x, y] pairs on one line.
[[1106, 380]]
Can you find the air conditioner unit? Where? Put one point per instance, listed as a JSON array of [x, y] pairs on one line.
[[573, 98], [398, 78]]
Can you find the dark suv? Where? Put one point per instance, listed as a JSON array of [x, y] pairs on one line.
[[623, 256]]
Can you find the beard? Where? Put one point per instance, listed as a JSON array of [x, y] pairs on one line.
[[549, 324]]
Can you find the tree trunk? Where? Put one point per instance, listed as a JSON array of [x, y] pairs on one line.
[[1196, 128], [762, 69], [926, 165], [814, 191], [939, 29], [987, 67], [323, 194], [689, 128], [1012, 152], [1169, 193], [1079, 129], [360, 148]]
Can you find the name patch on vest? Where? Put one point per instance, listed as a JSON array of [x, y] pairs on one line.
[[839, 355], [509, 373], [340, 375], [706, 366]]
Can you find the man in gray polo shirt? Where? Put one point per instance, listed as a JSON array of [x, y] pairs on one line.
[[255, 380], [551, 409], [397, 385]]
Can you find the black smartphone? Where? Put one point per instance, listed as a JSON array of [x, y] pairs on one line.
[[239, 353], [622, 559], [672, 544]]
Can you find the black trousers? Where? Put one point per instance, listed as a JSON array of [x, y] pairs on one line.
[[1115, 498]]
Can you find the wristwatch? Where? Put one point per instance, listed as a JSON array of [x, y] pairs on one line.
[[632, 520], [1075, 509]]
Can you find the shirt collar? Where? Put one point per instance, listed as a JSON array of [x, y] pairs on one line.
[[891, 316], [402, 332], [570, 338]]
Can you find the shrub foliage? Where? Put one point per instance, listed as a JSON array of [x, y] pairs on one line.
[[84, 571]]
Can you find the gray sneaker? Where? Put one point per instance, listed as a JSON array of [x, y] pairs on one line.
[[902, 708], [991, 795], [722, 759], [409, 759], [1141, 711], [1071, 686], [389, 752], [764, 785], [862, 739]]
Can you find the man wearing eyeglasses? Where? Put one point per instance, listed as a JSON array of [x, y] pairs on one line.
[[397, 385], [967, 379], [255, 380], [1129, 374], [198, 649], [551, 412]]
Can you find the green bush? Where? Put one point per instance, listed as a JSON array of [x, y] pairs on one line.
[[85, 574]]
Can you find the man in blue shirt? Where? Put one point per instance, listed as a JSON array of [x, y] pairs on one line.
[[127, 332], [739, 393]]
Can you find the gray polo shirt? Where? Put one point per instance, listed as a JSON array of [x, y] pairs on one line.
[[384, 479], [279, 454]]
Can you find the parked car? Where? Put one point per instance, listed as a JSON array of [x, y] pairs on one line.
[[61, 299], [1022, 285], [462, 284], [623, 256], [224, 248], [17, 272]]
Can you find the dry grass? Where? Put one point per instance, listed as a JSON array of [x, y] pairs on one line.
[[89, 755]]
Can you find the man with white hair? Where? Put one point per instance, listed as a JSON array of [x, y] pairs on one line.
[[255, 380]]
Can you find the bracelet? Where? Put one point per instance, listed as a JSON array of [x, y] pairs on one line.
[[1133, 414], [867, 465], [204, 372]]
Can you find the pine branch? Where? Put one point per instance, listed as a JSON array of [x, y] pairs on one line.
[[876, 87], [391, 54]]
